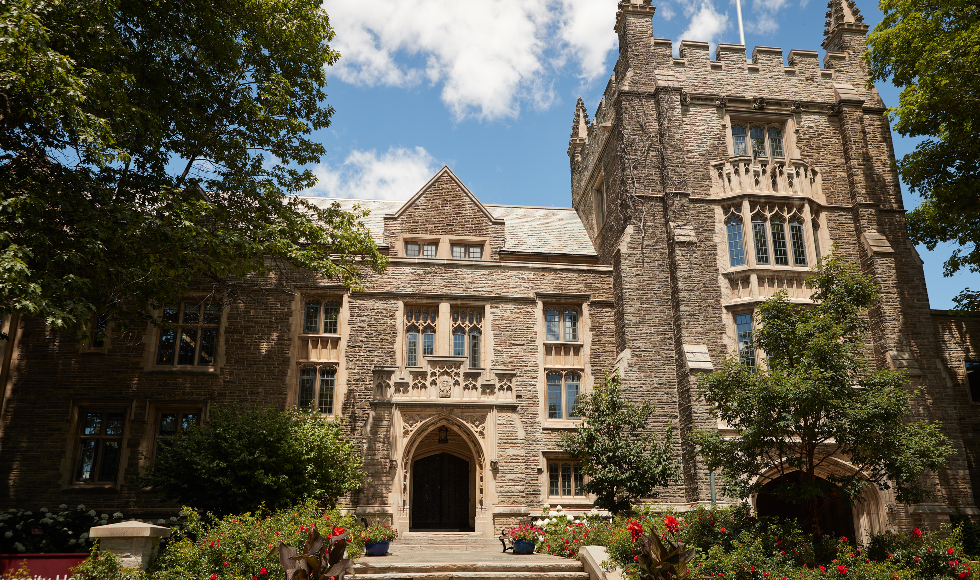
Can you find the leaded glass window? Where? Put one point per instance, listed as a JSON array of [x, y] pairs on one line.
[[736, 251], [459, 342], [779, 250], [428, 342], [554, 396], [738, 140], [191, 335], [412, 249], [571, 325], [307, 387], [552, 324], [429, 250], [775, 142], [315, 394], [459, 252], [412, 347], [799, 243], [475, 252], [743, 330], [311, 316], [761, 240], [99, 446], [328, 383], [758, 142], [467, 323], [173, 422], [565, 478], [571, 395], [474, 349]]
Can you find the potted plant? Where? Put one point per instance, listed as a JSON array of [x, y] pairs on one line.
[[524, 537], [377, 537]]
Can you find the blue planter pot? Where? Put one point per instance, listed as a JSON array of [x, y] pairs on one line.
[[523, 547], [376, 549]]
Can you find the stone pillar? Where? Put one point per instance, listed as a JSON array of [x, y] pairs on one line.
[[133, 542]]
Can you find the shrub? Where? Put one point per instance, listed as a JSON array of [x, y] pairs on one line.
[[256, 457], [104, 566], [563, 535], [63, 531]]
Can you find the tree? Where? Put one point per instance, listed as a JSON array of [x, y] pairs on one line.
[[146, 145], [932, 50], [817, 398], [242, 459], [622, 460]]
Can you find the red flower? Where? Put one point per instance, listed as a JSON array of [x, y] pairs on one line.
[[843, 538], [722, 530], [822, 569], [917, 533], [917, 559], [226, 563], [263, 572], [842, 569], [950, 551], [952, 563], [338, 530], [635, 529], [673, 526], [213, 576]]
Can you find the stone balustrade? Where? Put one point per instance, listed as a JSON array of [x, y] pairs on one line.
[[743, 175]]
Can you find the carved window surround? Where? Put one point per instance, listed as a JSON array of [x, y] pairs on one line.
[[741, 175], [444, 380], [751, 285]]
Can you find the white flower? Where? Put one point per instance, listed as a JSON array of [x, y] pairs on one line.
[[546, 506], [83, 536], [559, 509], [91, 513], [539, 522], [116, 516], [72, 542], [20, 547], [594, 512], [8, 535], [577, 521], [545, 522], [43, 510], [63, 506]]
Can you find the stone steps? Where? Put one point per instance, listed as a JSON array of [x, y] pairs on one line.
[[444, 542], [560, 570]]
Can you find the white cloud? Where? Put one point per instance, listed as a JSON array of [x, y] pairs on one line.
[[587, 30], [706, 23], [396, 174], [486, 54], [766, 12]]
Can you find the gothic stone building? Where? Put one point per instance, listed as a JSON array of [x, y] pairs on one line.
[[700, 187]]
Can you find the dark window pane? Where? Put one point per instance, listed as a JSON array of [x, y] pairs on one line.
[[327, 383], [571, 394], [973, 379], [459, 342], [459, 252], [761, 241], [165, 349], [311, 318], [114, 424], [209, 344], [476, 252], [109, 462], [307, 376], [331, 318], [474, 350], [799, 244], [429, 250], [428, 342], [86, 459], [188, 343], [775, 142], [779, 252], [552, 325], [758, 142], [553, 479], [412, 249], [554, 396], [816, 239], [579, 480], [99, 331], [566, 479], [736, 250], [571, 325], [192, 313], [170, 313], [212, 313], [168, 424], [93, 424]]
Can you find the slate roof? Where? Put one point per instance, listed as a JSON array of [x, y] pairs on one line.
[[548, 230]]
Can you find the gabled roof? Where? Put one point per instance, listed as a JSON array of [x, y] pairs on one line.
[[444, 172], [546, 230]]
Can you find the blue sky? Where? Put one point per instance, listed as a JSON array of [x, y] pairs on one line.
[[489, 87]]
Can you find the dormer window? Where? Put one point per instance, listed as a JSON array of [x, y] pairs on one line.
[[464, 252], [429, 250], [412, 249]]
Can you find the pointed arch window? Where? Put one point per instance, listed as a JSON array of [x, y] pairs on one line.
[[799, 242], [758, 142], [736, 249], [761, 239], [775, 142], [738, 140], [467, 334]]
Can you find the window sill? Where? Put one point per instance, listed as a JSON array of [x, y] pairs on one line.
[[561, 424], [91, 488], [326, 335], [208, 371], [563, 343]]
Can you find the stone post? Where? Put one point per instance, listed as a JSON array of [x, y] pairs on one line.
[[133, 542]]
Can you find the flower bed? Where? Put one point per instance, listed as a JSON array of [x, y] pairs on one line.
[[564, 535]]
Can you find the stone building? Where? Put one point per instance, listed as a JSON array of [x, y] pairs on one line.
[[700, 187]]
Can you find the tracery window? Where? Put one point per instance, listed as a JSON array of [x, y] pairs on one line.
[[736, 250], [192, 338], [317, 388], [764, 140], [564, 388], [467, 323], [100, 439], [317, 309], [420, 332], [743, 332], [773, 242]]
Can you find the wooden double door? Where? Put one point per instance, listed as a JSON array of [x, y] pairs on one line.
[[441, 493]]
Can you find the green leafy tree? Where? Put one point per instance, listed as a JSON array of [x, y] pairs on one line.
[[815, 398], [932, 51], [243, 459], [622, 459], [148, 144]]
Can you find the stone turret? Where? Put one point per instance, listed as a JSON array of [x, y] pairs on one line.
[[580, 131]]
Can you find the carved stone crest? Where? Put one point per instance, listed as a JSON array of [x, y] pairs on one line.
[[685, 99], [445, 387], [759, 104]]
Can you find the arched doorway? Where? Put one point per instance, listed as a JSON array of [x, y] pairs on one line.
[[837, 517], [443, 482]]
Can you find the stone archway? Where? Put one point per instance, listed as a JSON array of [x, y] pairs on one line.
[[837, 519], [444, 478]]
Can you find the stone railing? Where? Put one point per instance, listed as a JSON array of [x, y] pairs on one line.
[[444, 379], [319, 348], [741, 175], [762, 284]]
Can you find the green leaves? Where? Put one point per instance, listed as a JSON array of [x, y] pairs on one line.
[[932, 50], [622, 459], [148, 145], [817, 399]]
